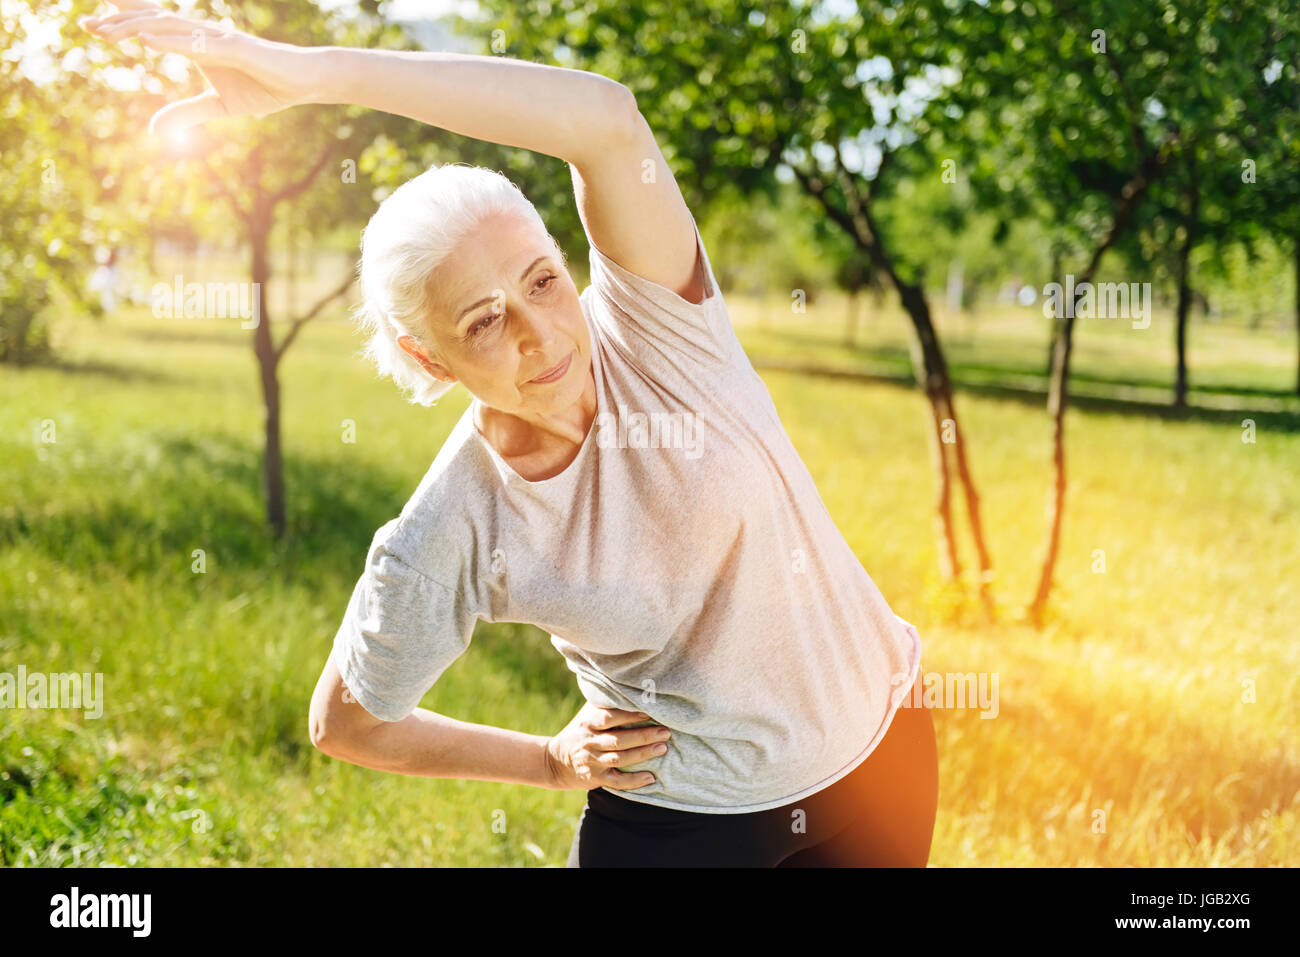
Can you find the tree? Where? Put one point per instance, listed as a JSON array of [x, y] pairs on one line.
[[1093, 103], [1192, 205], [1269, 137], [56, 186]]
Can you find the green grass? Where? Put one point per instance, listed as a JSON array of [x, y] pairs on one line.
[[1129, 702]]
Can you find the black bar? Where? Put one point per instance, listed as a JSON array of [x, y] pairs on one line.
[[572, 908]]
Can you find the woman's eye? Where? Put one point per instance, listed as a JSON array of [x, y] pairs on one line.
[[484, 324]]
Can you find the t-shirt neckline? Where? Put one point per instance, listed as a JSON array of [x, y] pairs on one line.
[[504, 467]]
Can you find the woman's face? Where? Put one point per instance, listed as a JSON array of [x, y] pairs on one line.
[[506, 311]]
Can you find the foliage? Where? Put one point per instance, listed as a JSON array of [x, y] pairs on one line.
[[59, 183]]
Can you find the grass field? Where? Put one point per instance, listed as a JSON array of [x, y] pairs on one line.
[[1152, 722]]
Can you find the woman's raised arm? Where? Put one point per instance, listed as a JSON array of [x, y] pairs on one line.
[[629, 202], [548, 109]]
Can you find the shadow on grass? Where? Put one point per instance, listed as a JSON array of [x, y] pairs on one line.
[[899, 358], [1033, 393], [241, 338], [107, 370]]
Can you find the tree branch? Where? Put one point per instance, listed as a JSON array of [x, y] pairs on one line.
[[857, 225], [224, 190], [1127, 203], [311, 314], [815, 187], [293, 189]]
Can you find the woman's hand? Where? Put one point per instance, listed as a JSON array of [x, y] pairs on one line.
[[250, 76], [588, 753]]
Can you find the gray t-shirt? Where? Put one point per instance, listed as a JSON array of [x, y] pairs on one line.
[[684, 565]]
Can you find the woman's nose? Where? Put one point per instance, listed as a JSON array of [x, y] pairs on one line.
[[536, 332]]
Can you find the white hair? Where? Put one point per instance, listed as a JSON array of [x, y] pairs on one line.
[[414, 230]]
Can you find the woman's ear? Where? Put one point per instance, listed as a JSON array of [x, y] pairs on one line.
[[417, 352]]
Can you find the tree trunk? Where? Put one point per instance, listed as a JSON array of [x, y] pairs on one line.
[[264, 349], [1058, 391], [931, 371], [932, 375], [949, 563], [1184, 306], [291, 233], [1185, 296], [972, 505], [1051, 343], [13, 347], [1062, 341]]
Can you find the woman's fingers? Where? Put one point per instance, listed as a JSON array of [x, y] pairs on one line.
[[126, 8], [605, 752], [155, 22], [603, 718], [632, 737], [165, 23], [616, 759], [209, 45], [112, 19], [627, 780], [184, 114], [170, 43]]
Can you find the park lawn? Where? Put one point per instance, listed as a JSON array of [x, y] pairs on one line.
[[1152, 722]]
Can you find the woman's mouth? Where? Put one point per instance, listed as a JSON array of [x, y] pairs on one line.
[[556, 372]]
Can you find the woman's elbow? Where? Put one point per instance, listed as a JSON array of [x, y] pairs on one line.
[[335, 718], [621, 107]]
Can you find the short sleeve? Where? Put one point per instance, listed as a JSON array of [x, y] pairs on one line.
[[401, 631], [659, 319]]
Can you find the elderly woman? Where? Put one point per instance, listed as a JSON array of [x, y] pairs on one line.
[[621, 479]]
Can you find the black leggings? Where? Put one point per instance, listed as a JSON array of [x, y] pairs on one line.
[[881, 814]]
